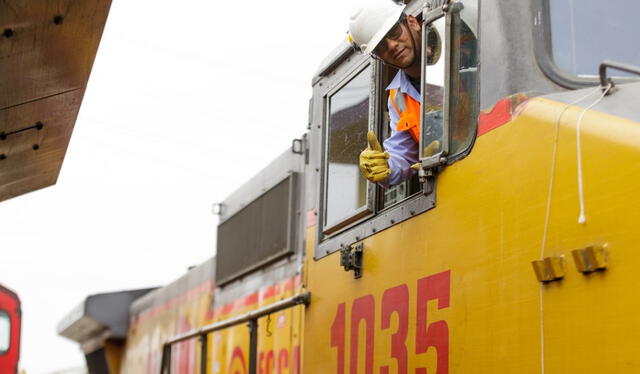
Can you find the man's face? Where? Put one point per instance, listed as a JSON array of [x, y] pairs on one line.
[[397, 47]]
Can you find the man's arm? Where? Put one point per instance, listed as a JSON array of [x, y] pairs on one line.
[[403, 151]]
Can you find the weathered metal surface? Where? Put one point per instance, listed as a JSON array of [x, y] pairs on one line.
[[47, 49], [23, 169]]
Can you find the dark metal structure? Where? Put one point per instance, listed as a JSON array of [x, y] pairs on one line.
[[100, 324]]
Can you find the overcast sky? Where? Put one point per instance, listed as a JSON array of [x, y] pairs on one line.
[[185, 103]]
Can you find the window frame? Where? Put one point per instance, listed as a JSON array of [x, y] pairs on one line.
[[368, 210], [544, 53], [6, 313], [436, 160], [443, 158], [379, 218]]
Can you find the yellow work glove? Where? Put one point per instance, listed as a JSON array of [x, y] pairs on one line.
[[429, 150], [373, 160]]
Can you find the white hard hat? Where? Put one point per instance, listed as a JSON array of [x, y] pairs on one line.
[[371, 22]]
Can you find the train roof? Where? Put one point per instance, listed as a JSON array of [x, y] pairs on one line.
[[194, 278], [275, 172]]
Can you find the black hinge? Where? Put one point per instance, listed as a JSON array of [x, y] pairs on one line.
[[351, 259]]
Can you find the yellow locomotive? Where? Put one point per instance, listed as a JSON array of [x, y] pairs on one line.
[[511, 250]]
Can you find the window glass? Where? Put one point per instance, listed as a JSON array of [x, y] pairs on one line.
[[346, 188], [433, 114], [463, 86], [586, 32], [5, 331]]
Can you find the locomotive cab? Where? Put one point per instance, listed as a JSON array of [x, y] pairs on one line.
[[463, 270]]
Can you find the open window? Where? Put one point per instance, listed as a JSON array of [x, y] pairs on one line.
[[450, 83], [355, 101], [348, 196], [5, 332]]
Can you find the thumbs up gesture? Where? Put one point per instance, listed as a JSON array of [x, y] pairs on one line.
[[373, 160]]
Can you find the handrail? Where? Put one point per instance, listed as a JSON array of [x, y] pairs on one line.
[[606, 81], [251, 317]]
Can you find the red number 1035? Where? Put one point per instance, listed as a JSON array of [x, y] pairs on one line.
[[395, 300]]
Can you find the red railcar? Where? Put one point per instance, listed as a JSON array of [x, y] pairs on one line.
[[10, 316]]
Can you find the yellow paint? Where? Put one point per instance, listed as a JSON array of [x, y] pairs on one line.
[[149, 331], [228, 350], [113, 353], [486, 229], [278, 339]]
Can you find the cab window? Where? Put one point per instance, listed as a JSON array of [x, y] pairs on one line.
[[433, 120], [347, 194], [584, 33], [5, 332], [352, 207], [450, 115], [463, 86]]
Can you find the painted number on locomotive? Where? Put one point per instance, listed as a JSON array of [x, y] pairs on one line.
[[395, 300]]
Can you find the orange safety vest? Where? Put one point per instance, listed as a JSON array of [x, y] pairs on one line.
[[409, 111]]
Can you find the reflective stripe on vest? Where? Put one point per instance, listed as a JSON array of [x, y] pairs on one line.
[[409, 111]]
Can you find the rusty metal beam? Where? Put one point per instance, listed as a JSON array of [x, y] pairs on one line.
[[47, 49]]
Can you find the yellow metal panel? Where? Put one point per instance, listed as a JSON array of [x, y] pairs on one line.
[[148, 332], [114, 352], [278, 335], [485, 231], [589, 323]]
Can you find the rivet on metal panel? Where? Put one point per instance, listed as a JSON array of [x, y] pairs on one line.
[[39, 125], [35, 147], [7, 33], [392, 221], [549, 269], [590, 259], [2, 156], [58, 20]]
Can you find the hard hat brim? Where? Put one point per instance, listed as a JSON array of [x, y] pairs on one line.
[[377, 38]]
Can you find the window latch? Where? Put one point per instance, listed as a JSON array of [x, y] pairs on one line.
[[428, 180], [351, 258]]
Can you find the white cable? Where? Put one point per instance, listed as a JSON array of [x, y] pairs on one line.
[[547, 214], [553, 167], [582, 218]]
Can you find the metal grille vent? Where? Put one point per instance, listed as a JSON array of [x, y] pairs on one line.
[[259, 233]]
